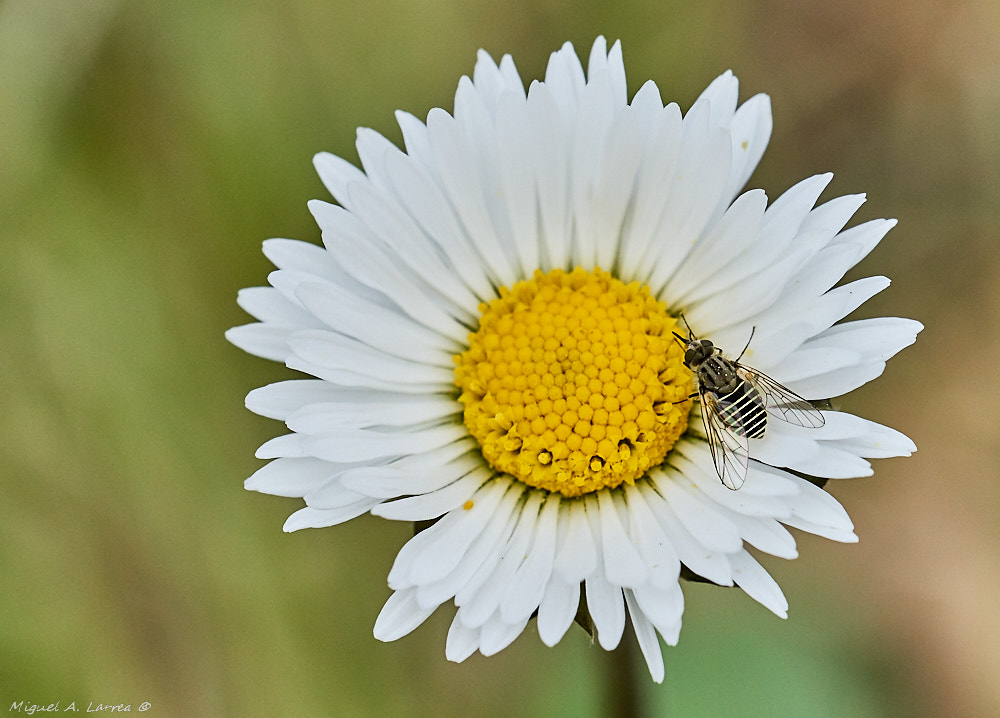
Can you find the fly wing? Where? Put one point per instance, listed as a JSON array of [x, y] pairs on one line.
[[782, 402], [729, 444]]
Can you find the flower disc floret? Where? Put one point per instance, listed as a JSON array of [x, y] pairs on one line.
[[574, 382]]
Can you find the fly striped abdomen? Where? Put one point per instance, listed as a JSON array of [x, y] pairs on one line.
[[743, 411]]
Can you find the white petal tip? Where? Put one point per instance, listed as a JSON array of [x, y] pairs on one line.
[[325, 163], [291, 526]]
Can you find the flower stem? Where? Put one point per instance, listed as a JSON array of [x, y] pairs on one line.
[[623, 696]]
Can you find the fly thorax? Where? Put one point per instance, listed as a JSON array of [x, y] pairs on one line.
[[718, 374]]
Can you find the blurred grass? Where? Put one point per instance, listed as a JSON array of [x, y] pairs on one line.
[[145, 151]]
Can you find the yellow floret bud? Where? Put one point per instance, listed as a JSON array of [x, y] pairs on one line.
[[570, 382]]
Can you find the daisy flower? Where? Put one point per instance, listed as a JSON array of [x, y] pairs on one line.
[[489, 329]]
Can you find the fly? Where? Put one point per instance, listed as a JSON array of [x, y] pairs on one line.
[[736, 401]]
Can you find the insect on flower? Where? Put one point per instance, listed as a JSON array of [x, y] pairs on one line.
[[735, 402]]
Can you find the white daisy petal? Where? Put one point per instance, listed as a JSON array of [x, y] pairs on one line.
[[477, 563], [336, 351], [577, 555], [287, 445], [393, 481], [697, 557], [837, 383], [400, 616], [880, 338], [393, 226], [758, 584], [653, 188], [296, 256], [490, 83], [645, 634], [616, 71], [353, 380], [622, 154], [462, 641], [702, 171], [565, 79], [723, 244], [823, 223], [819, 274], [751, 131], [457, 574], [512, 78], [434, 552], [429, 207], [372, 150], [436, 503], [373, 325], [703, 168], [765, 534], [465, 190], [827, 532], [550, 153], [767, 286], [848, 432], [372, 264], [818, 507], [721, 95], [826, 257], [710, 528], [811, 361], [656, 550], [320, 416], [310, 518], [784, 328], [496, 635], [875, 441], [415, 139], [487, 203], [607, 609], [366, 444], [761, 495], [755, 277], [267, 341], [622, 562], [499, 329], [480, 606], [337, 174], [518, 179], [291, 476], [807, 455], [557, 609], [663, 607], [334, 495], [269, 306], [862, 346], [524, 592], [594, 121], [491, 558], [647, 104], [282, 399]]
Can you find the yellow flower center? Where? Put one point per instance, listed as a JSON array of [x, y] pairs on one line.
[[574, 382]]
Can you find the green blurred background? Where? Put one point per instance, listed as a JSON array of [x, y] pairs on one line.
[[147, 148]]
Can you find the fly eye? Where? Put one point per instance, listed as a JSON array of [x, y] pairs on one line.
[[706, 343]]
